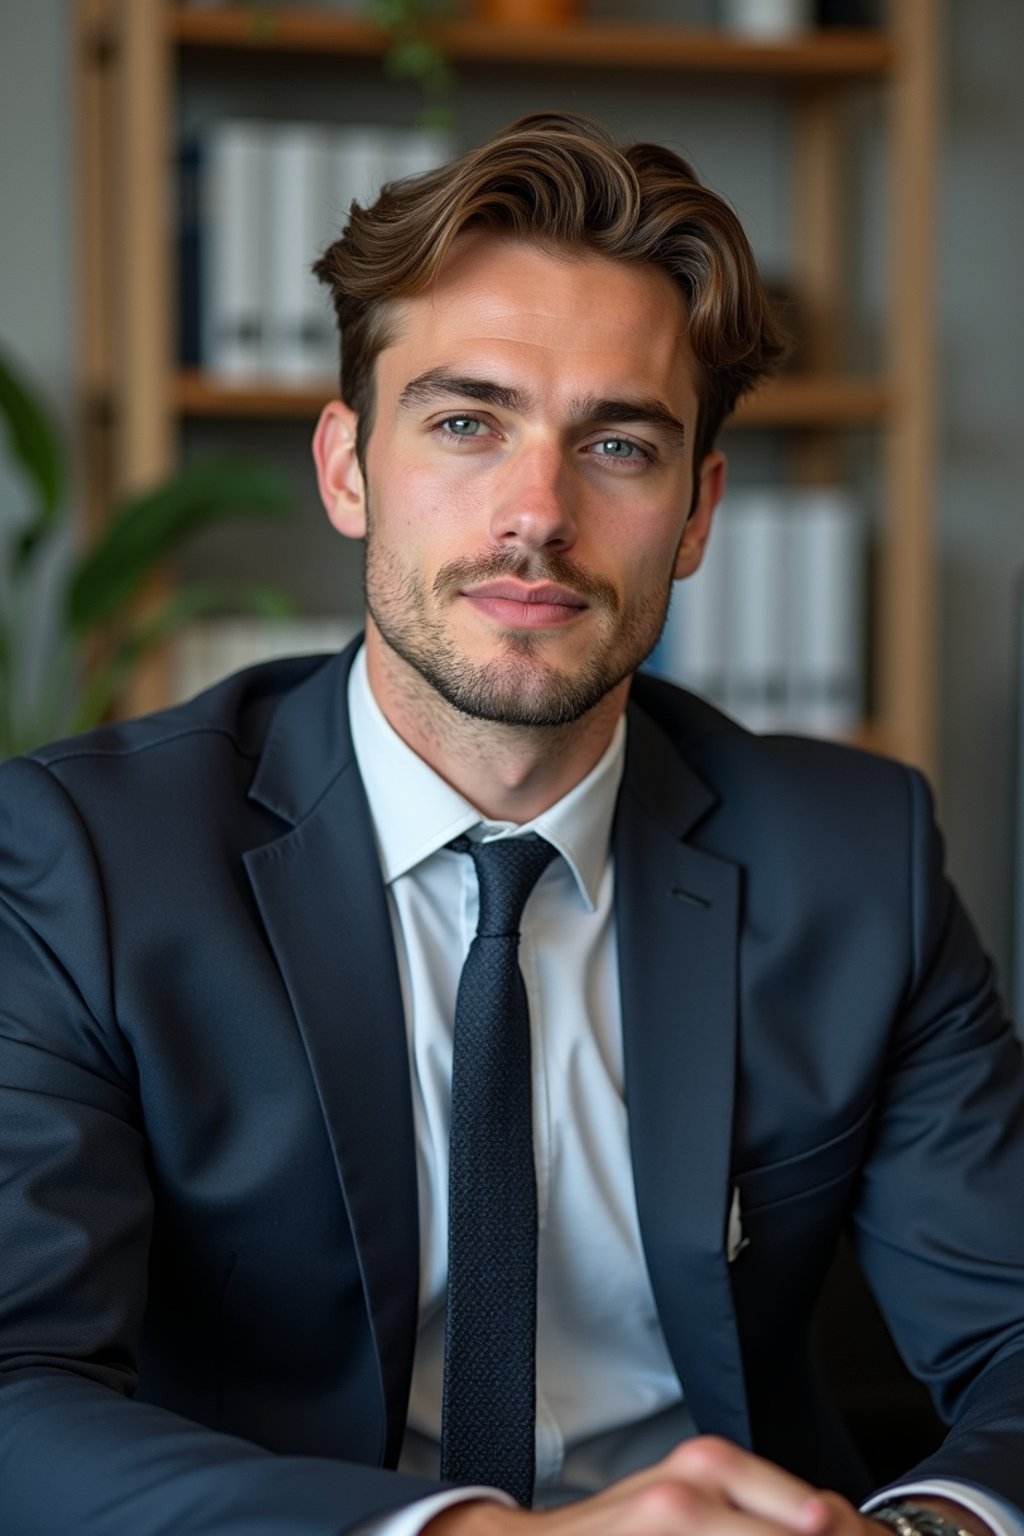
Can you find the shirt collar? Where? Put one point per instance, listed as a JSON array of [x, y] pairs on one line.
[[415, 812]]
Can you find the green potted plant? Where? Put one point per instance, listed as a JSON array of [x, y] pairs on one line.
[[415, 53], [65, 675]]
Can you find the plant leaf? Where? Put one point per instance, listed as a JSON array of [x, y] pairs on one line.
[[415, 58], [145, 531], [35, 446], [109, 677]]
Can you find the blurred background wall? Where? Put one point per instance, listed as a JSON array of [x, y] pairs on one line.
[[980, 332], [36, 212]]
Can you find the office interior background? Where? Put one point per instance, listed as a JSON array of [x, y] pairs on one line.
[[737, 139]]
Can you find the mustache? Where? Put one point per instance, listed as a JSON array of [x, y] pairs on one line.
[[456, 574]]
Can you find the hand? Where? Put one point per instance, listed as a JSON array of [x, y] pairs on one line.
[[705, 1487]]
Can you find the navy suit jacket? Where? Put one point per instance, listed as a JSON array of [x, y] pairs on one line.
[[208, 1209]]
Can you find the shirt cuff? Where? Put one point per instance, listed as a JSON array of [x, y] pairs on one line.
[[1002, 1517], [411, 1518]]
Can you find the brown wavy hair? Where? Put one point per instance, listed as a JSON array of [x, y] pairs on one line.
[[559, 181]]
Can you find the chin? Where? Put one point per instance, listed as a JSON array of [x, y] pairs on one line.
[[521, 691]]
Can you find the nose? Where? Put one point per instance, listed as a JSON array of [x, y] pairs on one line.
[[535, 506]]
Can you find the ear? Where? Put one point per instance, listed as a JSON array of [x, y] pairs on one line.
[[710, 490], [338, 475]]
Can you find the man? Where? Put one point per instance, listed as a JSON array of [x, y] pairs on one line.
[[234, 1297]]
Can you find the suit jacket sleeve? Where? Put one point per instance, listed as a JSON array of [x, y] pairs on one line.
[[76, 1452], [939, 1222]]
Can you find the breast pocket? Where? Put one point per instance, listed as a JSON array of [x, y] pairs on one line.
[[791, 1212]]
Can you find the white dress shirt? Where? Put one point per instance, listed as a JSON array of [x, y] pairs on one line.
[[608, 1398]]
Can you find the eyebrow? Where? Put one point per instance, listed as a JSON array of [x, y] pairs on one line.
[[645, 409], [442, 383]]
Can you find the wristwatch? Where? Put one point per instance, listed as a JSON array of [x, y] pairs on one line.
[[914, 1520]]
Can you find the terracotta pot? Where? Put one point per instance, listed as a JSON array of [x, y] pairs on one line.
[[529, 13]]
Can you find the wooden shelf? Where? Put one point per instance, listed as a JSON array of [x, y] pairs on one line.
[[786, 402], [198, 394], [825, 55], [814, 400]]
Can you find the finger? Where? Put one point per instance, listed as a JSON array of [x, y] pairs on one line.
[[671, 1507], [752, 1484]]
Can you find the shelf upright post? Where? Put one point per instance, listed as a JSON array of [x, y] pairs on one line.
[[908, 575], [94, 53], [141, 172]]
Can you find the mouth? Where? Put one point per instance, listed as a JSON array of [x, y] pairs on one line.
[[516, 605]]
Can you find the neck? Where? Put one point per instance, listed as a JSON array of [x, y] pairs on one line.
[[507, 772]]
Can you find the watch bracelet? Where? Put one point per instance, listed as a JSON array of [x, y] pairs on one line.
[[914, 1520]]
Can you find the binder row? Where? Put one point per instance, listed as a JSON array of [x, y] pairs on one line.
[[772, 625], [258, 202]]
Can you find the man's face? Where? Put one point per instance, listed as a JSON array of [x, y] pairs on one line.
[[528, 479]]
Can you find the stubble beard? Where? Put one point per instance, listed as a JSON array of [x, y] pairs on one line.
[[518, 687]]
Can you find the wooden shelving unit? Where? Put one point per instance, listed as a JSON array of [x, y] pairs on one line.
[[131, 56]]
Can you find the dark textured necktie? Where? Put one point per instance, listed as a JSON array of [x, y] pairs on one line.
[[487, 1423]]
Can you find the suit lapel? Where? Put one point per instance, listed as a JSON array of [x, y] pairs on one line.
[[677, 911], [324, 906]]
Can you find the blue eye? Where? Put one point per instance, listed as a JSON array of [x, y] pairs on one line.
[[463, 426], [619, 448]]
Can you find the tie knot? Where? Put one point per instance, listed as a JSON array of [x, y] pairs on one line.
[[507, 871]]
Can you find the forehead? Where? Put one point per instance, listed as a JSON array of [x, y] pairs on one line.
[[576, 322]]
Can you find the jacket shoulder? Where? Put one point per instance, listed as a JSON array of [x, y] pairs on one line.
[[238, 710]]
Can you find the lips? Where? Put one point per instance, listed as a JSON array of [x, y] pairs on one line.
[[516, 605], [546, 592]]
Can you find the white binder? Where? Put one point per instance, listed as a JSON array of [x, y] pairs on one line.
[[234, 245]]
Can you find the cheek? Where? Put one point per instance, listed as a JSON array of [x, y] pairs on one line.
[[417, 504], [642, 553]]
